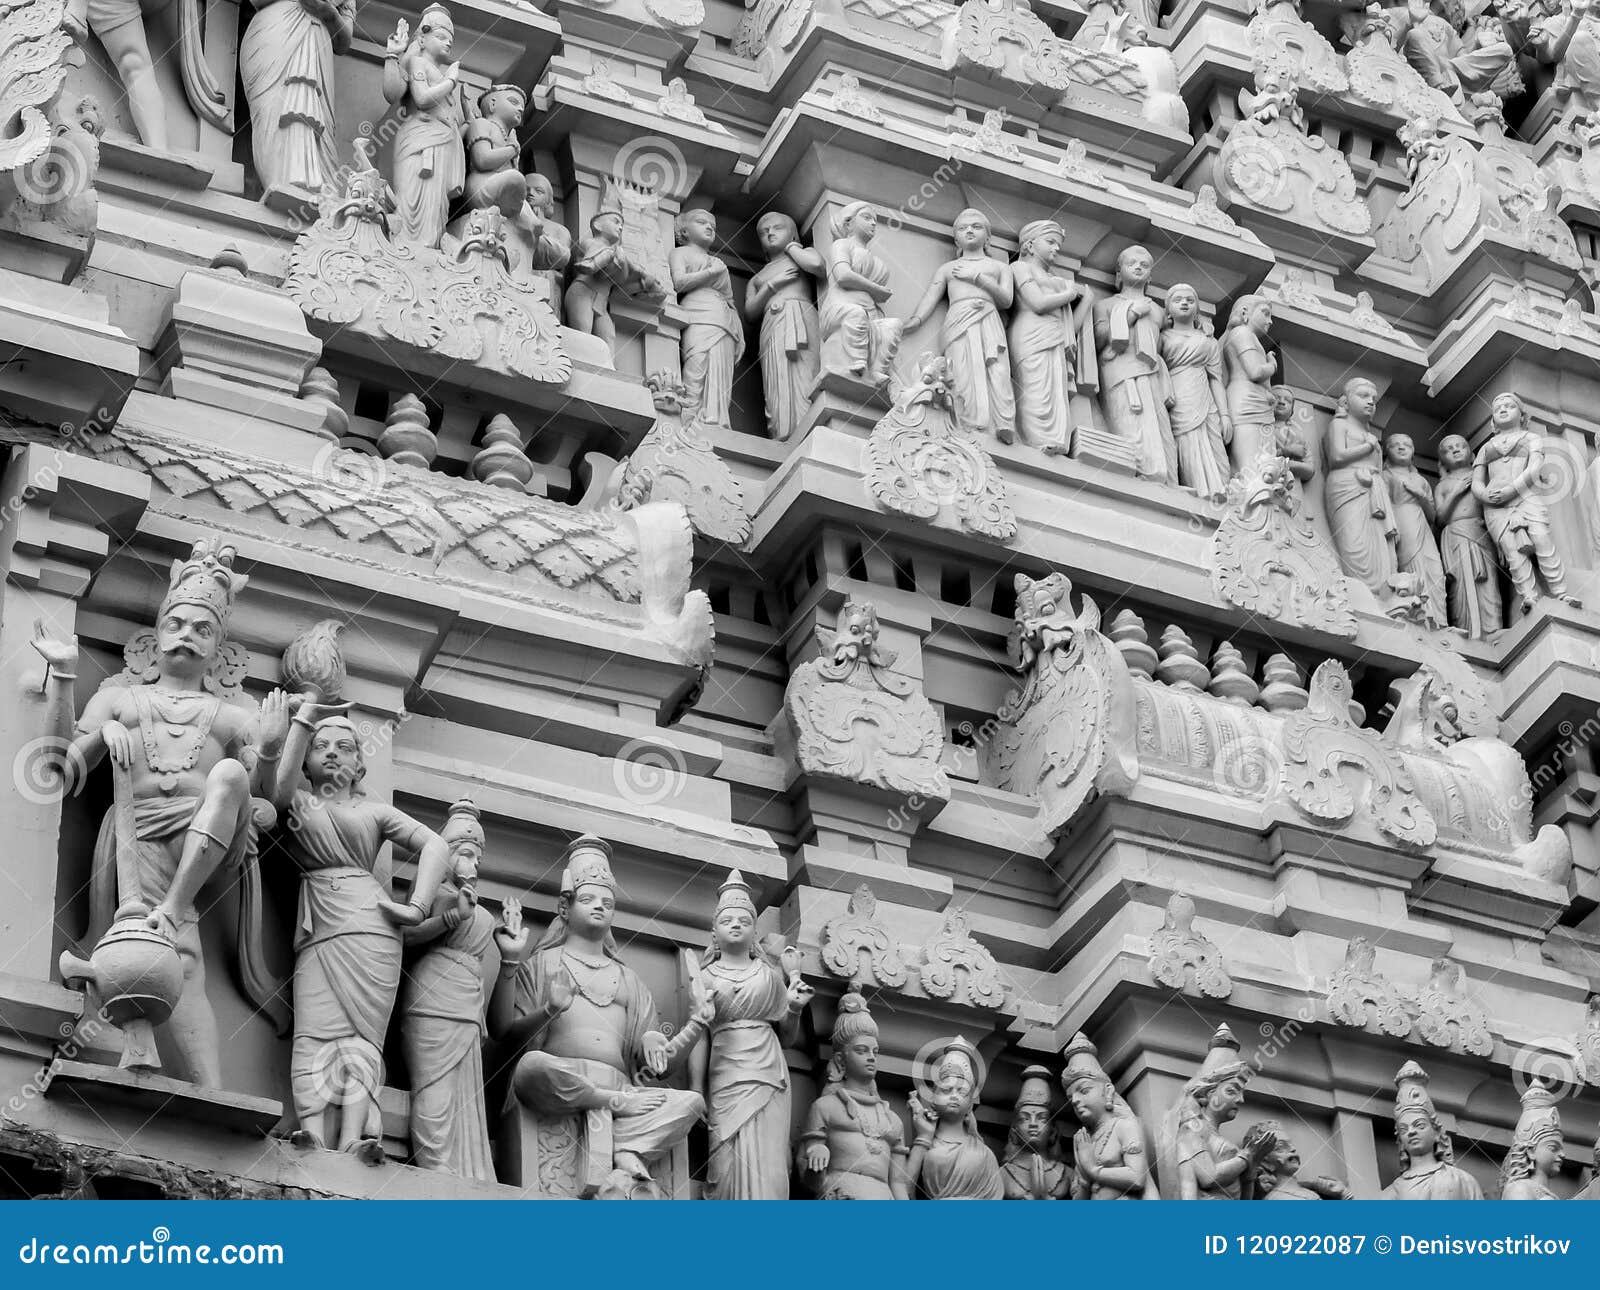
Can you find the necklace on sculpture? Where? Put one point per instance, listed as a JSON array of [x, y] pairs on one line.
[[602, 995], [174, 727]]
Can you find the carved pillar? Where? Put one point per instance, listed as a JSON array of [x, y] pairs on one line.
[[57, 520]]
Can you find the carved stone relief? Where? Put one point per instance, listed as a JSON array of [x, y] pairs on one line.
[[858, 948], [1181, 957], [1358, 994], [1281, 41], [957, 968], [1446, 1017]]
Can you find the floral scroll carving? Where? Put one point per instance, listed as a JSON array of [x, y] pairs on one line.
[[921, 463], [957, 968], [1181, 956], [1069, 733], [1266, 556], [457, 303], [856, 719], [1358, 993], [1280, 40], [1321, 743], [676, 463], [1446, 1017], [858, 948]]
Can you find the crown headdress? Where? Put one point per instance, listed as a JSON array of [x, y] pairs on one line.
[[206, 579], [735, 894], [588, 860], [463, 824]]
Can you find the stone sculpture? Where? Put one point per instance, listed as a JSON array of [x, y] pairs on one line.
[[920, 462], [348, 941], [1280, 40], [493, 177], [1266, 555], [1271, 167], [579, 1027], [1355, 495], [544, 244], [1043, 340], [1178, 953], [1380, 76], [853, 1145], [429, 164], [1468, 554], [1030, 1167], [782, 297], [1358, 986], [423, 306], [1068, 734], [1201, 425], [1446, 1017], [1273, 1175], [1538, 1150], [1506, 480], [675, 462], [1128, 37], [858, 341], [977, 288], [1109, 1159], [1570, 40], [601, 264], [1198, 1161], [958, 967], [1411, 504], [286, 66], [854, 718], [758, 999], [1427, 1157], [949, 1159], [1251, 402], [713, 335], [857, 947], [1135, 388], [124, 27], [442, 1012], [184, 756]]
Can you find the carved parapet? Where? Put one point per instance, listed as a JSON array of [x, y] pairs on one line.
[[921, 463], [1069, 733], [1460, 194], [854, 718], [675, 462], [1294, 188], [632, 568], [1267, 557], [426, 310]]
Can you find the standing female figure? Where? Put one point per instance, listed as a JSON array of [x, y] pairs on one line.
[[1250, 371], [347, 946], [286, 65], [857, 340], [713, 335], [1044, 340], [783, 297], [1201, 428], [1356, 496], [441, 1013], [430, 167], [758, 1009], [973, 337]]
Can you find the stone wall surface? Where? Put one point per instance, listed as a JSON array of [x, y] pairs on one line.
[[828, 598]]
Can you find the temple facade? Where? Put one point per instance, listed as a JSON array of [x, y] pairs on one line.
[[857, 599]]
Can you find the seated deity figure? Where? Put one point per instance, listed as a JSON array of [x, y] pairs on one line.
[[977, 289], [1506, 480], [949, 1158], [1274, 1174], [581, 1028], [858, 341], [1108, 1153], [1199, 1161], [1427, 1157], [183, 763], [1031, 1167], [853, 1146], [348, 944], [1537, 1148], [1471, 562], [1135, 388]]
